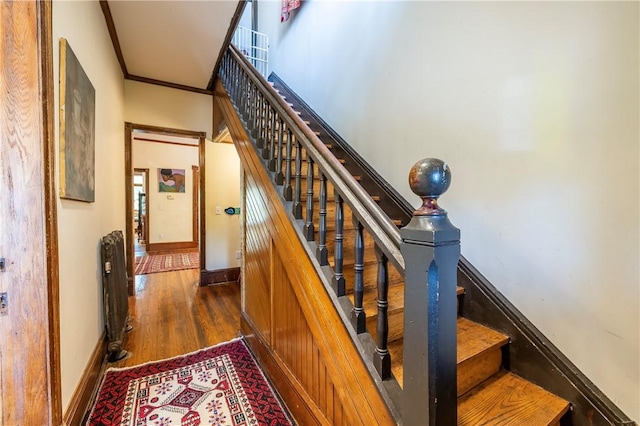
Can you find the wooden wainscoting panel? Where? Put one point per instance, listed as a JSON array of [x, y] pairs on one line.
[[257, 296], [308, 327], [294, 343]]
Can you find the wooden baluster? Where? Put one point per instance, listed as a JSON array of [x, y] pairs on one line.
[[264, 130], [297, 204], [381, 356], [309, 227], [288, 190], [358, 317], [249, 101], [322, 251], [338, 256], [280, 158], [431, 250], [272, 140], [258, 120]]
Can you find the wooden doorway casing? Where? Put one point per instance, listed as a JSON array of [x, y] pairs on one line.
[[145, 229], [30, 350], [128, 159]]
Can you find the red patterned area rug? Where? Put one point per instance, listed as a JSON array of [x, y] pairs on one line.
[[221, 385], [154, 263]]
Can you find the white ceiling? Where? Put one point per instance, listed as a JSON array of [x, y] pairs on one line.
[[172, 41]]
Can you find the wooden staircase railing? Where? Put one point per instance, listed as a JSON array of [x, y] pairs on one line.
[[288, 146]]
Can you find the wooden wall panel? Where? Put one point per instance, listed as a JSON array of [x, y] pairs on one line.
[[29, 353], [288, 317], [257, 268]]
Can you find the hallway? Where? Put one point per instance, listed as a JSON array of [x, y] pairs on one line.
[[171, 315]]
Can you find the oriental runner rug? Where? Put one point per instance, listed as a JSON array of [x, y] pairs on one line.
[[153, 263], [221, 385]]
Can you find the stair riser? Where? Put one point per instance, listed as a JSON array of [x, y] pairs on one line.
[[476, 370]]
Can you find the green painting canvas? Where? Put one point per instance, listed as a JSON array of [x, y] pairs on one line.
[[77, 129]]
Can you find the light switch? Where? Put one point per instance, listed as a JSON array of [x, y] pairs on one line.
[[218, 210]]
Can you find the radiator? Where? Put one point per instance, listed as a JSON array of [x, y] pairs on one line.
[[116, 304]]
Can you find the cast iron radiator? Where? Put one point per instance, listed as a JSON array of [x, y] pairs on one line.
[[116, 304]]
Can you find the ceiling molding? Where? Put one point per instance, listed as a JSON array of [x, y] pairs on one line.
[[227, 40], [168, 84], [106, 11]]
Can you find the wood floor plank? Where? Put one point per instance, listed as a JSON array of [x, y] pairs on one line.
[[172, 315]]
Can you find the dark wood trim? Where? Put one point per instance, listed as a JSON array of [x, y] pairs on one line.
[[227, 40], [168, 131], [128, 191], [45, 47], [155, 248], [219, 276], [300, 405], [203, 201], [533, 356], [168, 84], [167, 142], [129, 128], [146, 213], [195, 195], [89, 381], [106, 11]]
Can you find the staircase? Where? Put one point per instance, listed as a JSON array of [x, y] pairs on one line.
[[488, 394], [325, 303]]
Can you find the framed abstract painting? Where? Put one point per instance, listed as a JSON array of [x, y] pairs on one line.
[[77, 129]]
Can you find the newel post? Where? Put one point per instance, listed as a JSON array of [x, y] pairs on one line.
[[431, 249]]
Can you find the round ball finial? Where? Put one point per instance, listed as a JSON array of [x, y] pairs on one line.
[[429, 178]]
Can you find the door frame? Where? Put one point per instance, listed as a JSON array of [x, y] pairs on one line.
[[30, 351], [145, 172], [128, 164]]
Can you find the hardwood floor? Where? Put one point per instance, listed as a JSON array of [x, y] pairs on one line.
[[172, 315]]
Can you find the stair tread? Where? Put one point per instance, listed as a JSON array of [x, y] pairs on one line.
[[472, 339], [507, 399]]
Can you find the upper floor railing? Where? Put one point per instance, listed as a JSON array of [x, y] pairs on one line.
[[255, 46], [425, 252]]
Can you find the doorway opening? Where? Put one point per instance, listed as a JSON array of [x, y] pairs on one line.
[[140, 214], [164, 200]]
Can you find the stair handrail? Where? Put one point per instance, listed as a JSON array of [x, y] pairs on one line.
[[382, 229]]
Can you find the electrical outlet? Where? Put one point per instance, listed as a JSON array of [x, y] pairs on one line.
[[161, 236], [238, 255]]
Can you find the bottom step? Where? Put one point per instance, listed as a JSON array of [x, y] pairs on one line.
[[506, 399]]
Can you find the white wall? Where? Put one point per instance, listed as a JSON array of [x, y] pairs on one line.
[[81, 225], [223, 190], [166, 107], [170, 213], [535, 108]]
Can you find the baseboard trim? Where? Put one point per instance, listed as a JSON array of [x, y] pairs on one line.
[[297, 400], [219, 276], [83, 394], [156, 248]]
